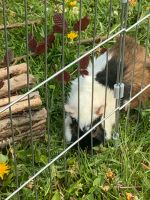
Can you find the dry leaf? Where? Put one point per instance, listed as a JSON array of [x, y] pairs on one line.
[[8, 58], [66, 77], [59, 23], [50, 39], [30, 185], [147, 167], [105, 188], [32, 43], [40, 48], [84, 22], [84, 73], [84, 62]]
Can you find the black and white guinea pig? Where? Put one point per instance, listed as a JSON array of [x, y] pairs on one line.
[[98, 92], [85, 108]]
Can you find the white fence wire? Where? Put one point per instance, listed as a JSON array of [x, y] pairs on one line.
[[123, 30]]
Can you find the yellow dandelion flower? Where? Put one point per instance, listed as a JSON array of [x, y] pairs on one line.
[[132, 2], [4, 169], [72, 3], [129, 196], [72, 35], [110, 174]]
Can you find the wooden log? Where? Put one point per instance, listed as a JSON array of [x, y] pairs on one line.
[[28, 132], [16, 83], [13, 70], [5, 101], [36, 136], [18, 130], [97, 39], [23, 119], [18, 25], [22, 106]]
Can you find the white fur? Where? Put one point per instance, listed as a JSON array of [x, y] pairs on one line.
[[68, 134], [85, 99], [99, 63]]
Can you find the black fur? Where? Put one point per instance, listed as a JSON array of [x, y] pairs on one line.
[[98, 134], [85, 143], [112, 74], [113, 65], [127, 89]]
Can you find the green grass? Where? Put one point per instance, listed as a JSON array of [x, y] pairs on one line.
[[78, 175]]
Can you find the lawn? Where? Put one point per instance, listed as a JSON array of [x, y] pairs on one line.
[[119, 170]]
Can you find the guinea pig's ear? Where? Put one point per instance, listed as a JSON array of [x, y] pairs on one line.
[[100, 110], [68, 109]]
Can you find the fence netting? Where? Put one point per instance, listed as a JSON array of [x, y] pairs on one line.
[[60, 42]]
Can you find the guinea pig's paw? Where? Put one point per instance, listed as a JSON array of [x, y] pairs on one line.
[[107, 136], [68, 135]]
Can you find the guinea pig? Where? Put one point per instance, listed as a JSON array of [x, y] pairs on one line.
[[85, 104], [88, 95]]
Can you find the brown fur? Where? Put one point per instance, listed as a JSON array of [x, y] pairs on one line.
[[134, 59]]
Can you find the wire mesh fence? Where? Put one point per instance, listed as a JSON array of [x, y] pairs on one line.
[[84, 85]]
